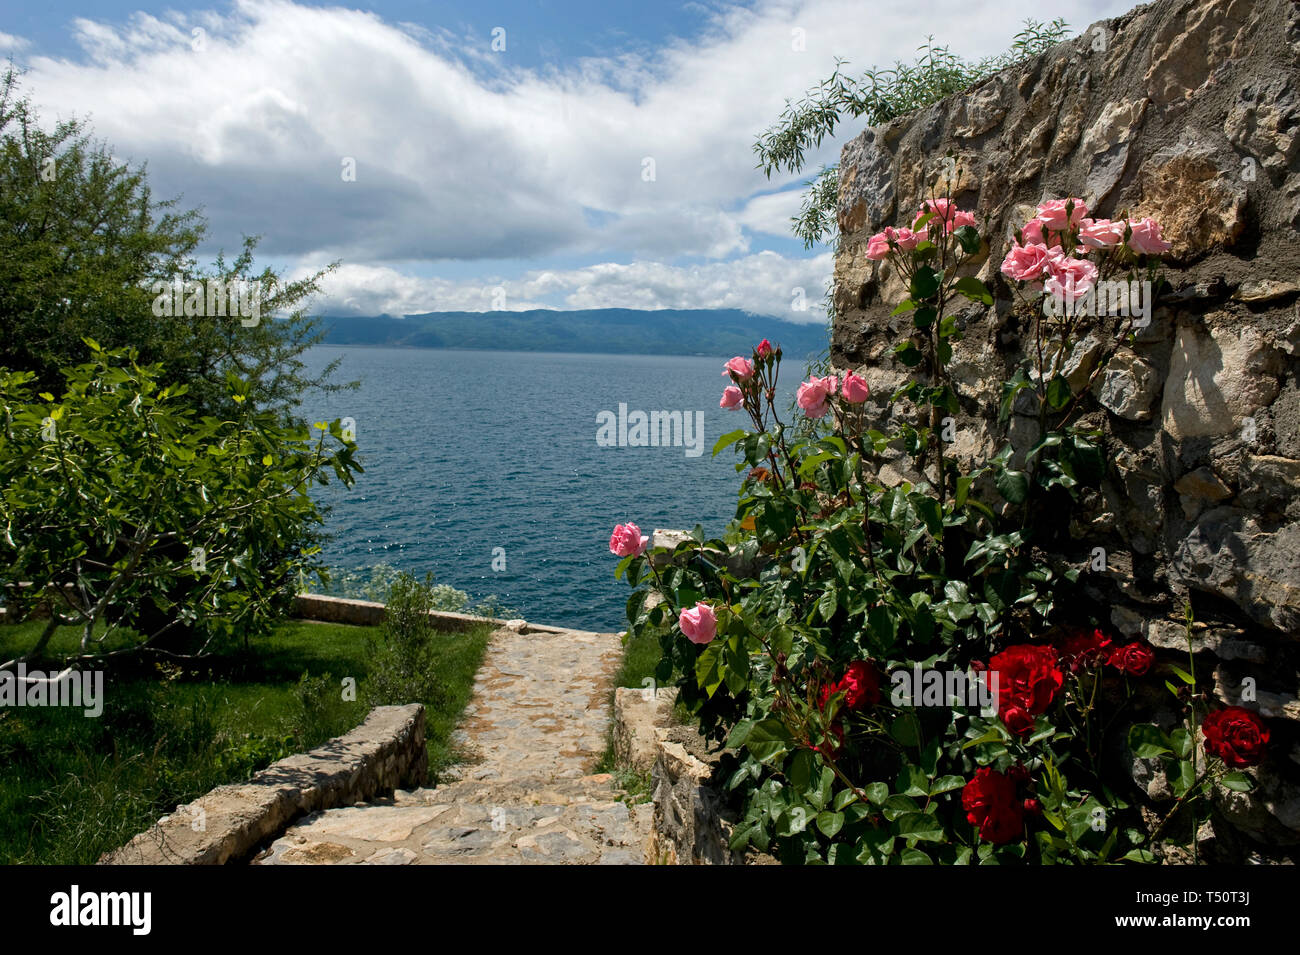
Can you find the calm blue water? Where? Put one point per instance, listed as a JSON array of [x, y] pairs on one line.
[[468, 451]]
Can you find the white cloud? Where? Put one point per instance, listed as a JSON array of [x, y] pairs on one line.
[[12, 43], [771, 213], [763, 283], [462, 155]]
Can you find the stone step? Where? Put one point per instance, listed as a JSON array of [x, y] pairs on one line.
[[524, 822]]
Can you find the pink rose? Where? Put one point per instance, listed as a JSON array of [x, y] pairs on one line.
[[814, 395], [1026, 263], [1033, 234], [1146, 238], [946, 216], [1071, 279], [1052, 213], [731, 398], [855, 389], [906, 239], [878, 245], [1101, 233], [941, 209], [764, 349], [627, 540], [741, 368], [698, 623]]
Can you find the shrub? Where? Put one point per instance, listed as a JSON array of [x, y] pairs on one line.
[[403, 667], [144, 524], [826, 644]]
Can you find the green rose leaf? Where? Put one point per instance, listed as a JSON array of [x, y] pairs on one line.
[[974, 289], [830, 823], [968, 238], [1013, 485], [1146, 741], [1237, 782], [925, 283]]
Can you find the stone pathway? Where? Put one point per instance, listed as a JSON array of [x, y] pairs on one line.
[[536, 724]]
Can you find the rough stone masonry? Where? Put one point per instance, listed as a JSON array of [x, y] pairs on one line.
[[1187, 111]]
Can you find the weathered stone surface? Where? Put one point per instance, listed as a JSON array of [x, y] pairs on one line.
[[1217, 380], [1202, 484], [1127, 386], [1264, 290], [368, 613], [1265, 122], [1229, 553], [1185, 190], [578, 821], [636, 715], [540, 706], [1269, 481], [1192, 41]]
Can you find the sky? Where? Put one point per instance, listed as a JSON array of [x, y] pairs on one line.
[[478, 154]]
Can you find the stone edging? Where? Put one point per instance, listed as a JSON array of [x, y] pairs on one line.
[[692, 825], [368, 613], [384, 753]]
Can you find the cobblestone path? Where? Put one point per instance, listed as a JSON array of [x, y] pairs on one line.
[[536, 725]]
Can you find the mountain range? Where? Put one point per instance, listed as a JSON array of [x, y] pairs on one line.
[[713, 332]]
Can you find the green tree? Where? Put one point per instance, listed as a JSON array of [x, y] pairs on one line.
[[151, 527], [84, 246]]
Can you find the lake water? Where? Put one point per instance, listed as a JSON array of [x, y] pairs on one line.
[[468, 451]]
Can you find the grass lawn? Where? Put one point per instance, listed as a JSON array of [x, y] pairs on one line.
[[73, 787], [641, 654]]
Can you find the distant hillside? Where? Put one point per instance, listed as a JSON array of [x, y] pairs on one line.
[[722, 332]]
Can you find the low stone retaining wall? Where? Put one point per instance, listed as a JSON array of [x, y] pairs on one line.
[[384, 753], [637, 715], [692, 824], [368, 613]]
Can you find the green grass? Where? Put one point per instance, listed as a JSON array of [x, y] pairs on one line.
[[641, 654], [73, 787]]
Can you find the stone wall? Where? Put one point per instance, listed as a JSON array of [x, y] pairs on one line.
[[368, 613], [384, 753], [1187, 111]]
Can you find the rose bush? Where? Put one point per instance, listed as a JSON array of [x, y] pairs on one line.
[[830, 584]]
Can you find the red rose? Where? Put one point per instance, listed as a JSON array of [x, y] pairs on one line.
[[1135, 658], [1019, 721], [1235, 735], [1081, 649], [1028, 679], [1033, 807], [991, 804], [861, 685]]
